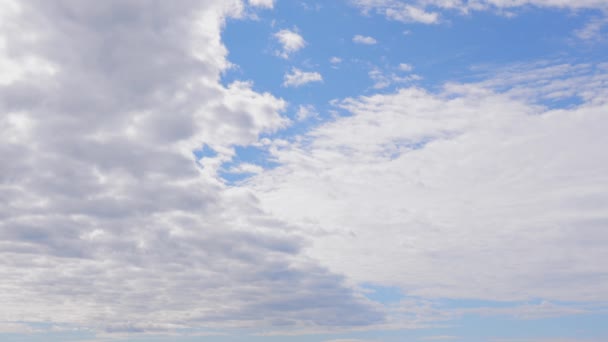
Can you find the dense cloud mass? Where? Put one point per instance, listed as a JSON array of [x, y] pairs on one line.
[[107, 220]]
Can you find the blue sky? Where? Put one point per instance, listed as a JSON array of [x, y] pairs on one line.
[[277, 170], [460, 48]]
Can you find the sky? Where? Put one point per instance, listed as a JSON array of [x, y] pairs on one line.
[[304, 170]]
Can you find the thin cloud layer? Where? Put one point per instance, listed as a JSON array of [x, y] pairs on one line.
[[105, 208], [429, 11], [476, 192]]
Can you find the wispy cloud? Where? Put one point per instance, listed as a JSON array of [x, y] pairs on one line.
[[306, 112], [593, 30], [429, 11], [383, 79]]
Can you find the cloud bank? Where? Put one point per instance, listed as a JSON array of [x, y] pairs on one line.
[[105, 208]]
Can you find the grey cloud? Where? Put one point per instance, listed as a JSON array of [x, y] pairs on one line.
[[105, 209]]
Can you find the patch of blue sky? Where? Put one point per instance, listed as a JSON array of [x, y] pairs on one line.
[[203, 152], [565, 102], [328, 33], [255, 155], [438, 53], [382, 294], [449, 51]]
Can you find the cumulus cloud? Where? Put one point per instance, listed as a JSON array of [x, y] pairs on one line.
[[105, 208], [291, 42], [479, 191], [366, 40], [299, 78]]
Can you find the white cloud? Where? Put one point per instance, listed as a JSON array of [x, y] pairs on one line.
[[104, 207], [359, 39], [291, 42], [335, 60], [457, 185], [299, 78], [262, 3]]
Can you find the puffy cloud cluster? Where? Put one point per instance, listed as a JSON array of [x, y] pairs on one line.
[[107, 219]]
